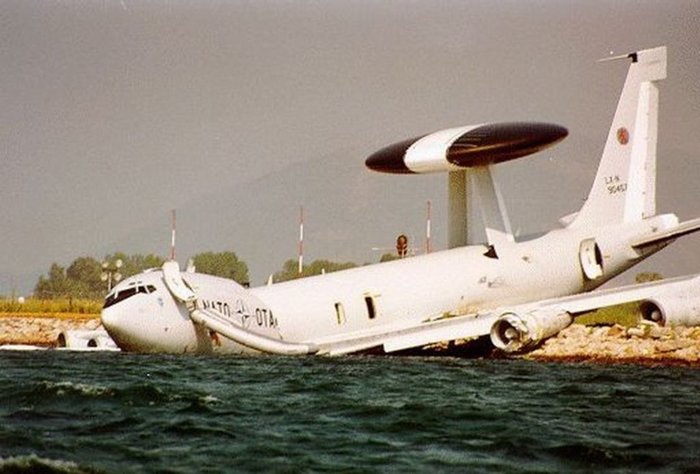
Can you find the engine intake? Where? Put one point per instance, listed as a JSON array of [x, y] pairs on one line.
[[672, 310], [514, 332]]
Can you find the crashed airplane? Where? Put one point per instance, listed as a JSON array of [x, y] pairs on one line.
[[516, 292]]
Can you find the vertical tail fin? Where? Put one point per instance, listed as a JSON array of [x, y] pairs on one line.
[[624, 189]]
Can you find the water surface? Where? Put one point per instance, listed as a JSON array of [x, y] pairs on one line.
[[112, 412]]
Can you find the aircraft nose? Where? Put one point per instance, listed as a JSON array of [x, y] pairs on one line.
[[109, 319], [117, 326]]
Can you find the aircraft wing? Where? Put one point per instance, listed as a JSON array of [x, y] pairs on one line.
[[586, 302], [398, 338], [531, 322]]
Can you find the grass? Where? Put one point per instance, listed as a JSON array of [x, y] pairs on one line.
[[627, 315], [74, 307]]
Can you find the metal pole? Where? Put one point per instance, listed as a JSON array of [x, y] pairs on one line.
[[428, 248], [457, 209], [172, 238], [301, 239]]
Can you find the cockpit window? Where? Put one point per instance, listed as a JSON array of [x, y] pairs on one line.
[[121, 295]]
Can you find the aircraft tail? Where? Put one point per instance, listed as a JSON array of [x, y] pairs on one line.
[[624, 189]]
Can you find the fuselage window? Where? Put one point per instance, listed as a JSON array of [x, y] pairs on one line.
[[340, 313], [120, 296], [146, 289], [369, 301], [115, 298]]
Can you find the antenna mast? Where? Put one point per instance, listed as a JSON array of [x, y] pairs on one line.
[[428, 248], [172, 237], [301, 239]]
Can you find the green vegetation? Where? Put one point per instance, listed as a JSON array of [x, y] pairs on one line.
[[644, 277], [36, 306], [388, 257], [82, 279], [290, 270], [81, 288], [133, 264], [627, 315], [223, 264]]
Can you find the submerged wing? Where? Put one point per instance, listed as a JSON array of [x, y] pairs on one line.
[[399, 337], [511, 328]]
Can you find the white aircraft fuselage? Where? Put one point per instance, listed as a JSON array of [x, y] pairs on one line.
[[516, 291], [409, 290]]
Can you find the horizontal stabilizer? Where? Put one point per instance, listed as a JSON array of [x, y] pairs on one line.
[[682, 229]]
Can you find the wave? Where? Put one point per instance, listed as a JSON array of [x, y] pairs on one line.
[[33, 463], [73, 388], [140, 393], [157, 414]]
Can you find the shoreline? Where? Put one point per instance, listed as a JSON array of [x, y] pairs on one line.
[[647, 344], [639, 361], [42, 329]]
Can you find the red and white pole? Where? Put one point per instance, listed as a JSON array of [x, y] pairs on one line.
[[172, 237], [428, 246], [301, 239]]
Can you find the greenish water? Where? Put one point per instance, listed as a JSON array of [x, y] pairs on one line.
[[111, 412]]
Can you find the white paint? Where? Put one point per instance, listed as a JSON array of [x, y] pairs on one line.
[[624, 186], [491, 205], [429, 154], [529, 283], [86, 340]]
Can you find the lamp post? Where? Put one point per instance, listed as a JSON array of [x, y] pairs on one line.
[[110, 272]]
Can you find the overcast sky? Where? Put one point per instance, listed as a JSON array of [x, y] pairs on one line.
[[113, 113]]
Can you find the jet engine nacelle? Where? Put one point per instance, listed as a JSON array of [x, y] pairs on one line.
[[85, 339], [515, 332], [672, 310]]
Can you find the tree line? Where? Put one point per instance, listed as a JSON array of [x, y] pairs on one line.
[[83, 277], [87, 277]]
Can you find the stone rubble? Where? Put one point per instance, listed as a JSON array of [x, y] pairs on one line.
[[646, 343], [40, 331]]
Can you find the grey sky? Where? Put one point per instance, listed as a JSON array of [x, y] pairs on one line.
[[235, 113]]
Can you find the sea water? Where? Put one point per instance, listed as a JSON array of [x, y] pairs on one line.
[[112, 412]]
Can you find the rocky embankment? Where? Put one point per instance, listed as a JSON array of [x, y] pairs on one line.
[[606, 344], [41, 331], [648, 344]]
